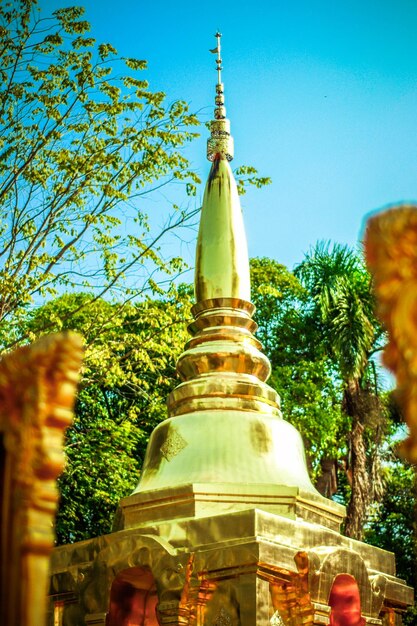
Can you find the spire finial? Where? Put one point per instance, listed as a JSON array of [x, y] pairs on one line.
[[220, 144], [219, 58]]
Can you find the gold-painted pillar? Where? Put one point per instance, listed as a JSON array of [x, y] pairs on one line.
[[255, 603], [37, 389]]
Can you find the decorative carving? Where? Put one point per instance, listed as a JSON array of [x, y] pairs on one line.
[[391, 254], [291, 600], [326, 562], [37, 388], [173, 445], [220, 144]]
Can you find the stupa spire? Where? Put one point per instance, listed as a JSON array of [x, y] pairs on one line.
[[225, 423], [222, 262]]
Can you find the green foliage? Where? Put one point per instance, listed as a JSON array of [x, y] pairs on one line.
[[392, 520], [341, 307], [278, 297], [248, 175], [128, 371], [83, 142], [301, 372], [392, 524]]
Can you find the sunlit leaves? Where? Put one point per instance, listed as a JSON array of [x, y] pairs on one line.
[[128, 371], [391, 521], [342, 302], [83, 140], [136, 64], [302, 373], [248, 175]]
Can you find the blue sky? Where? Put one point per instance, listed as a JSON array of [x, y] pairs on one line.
[[322, 97]]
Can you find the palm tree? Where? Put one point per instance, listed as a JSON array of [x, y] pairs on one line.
[[342, 307]]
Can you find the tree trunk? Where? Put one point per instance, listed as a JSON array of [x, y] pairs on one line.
[[326, 483], [359, 477]]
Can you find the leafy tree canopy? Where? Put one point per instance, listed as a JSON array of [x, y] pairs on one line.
[[128, 372], [302, 373], [341, 305], [84, 141], [82, 146], [392, 524]]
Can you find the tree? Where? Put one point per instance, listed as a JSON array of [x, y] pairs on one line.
[[392, 524], [392, 519], [83, 142], [342, 309], [302, 373], [128, 372]]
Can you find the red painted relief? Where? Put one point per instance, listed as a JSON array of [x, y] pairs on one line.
[[133, 599], [345, 602]]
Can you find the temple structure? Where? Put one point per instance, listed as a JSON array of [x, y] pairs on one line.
[[225, 527]]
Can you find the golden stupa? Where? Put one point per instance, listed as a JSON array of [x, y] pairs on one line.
[[225, 527]]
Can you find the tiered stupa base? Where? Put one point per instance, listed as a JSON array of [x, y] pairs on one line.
[[247, 568]]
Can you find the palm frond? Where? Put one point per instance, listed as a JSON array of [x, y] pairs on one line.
[[343, 303]]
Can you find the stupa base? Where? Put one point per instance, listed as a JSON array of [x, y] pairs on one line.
[[246, 568], [204, 499]]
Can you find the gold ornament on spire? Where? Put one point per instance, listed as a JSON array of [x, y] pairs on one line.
[[220, 143]]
